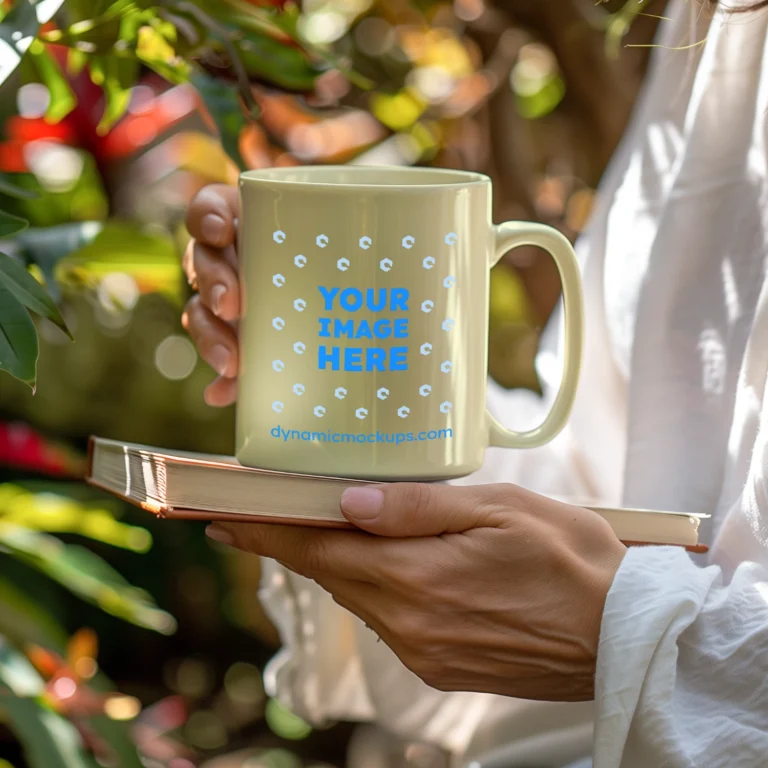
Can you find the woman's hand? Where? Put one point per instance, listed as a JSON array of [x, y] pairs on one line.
[[478, 588], [210, 263]]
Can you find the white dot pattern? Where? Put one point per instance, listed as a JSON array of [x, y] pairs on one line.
[[343, 264]]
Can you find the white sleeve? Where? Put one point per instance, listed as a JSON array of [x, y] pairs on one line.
[[682, 677]]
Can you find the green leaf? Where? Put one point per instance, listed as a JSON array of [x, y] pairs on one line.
[[245, 17], [23, 621], [47, 246], [82, 10], [116, 76], [278, 63], [150, 259], [154, 43], [131, 22], [76, 61], [281, 28], [10, 224], [155, 47], [49, 740], [28, 291], [10, 189], [55, 513], [18, 338], [223, 104], [17, 673], [62, 97], [118, 736], [86, 575], [17, 31]]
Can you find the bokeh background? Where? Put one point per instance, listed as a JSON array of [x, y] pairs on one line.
[[126, 641]]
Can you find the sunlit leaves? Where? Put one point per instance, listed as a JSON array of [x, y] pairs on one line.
[[155, 46], [70, 189], [86, 575], [17, 674], [397, 111], [54, 513], [62, 98], [76, 61], [50, 741], [536, 82], [152, 43], [150, 259], [116, 76]]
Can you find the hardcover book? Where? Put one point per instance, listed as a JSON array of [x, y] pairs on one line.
[[195, 486]]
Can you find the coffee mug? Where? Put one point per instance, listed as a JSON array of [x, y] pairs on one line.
[[364, 325]]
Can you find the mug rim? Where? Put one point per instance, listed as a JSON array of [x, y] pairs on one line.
[[431, 178]]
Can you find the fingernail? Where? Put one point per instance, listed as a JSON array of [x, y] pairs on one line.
[[219, 359], [362, 503], [217, 294], [220, 535], [212, 229]]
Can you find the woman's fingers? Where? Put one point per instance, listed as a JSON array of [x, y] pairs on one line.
[[212, 215], [214, 339], [215, 279], [210, 263], [221, 392]]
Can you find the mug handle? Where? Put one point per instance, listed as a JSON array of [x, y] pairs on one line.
[[510, 235]]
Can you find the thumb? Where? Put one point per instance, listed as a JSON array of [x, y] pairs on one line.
[[416, 509]]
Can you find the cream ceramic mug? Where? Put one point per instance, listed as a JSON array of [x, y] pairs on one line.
[[363, 334]]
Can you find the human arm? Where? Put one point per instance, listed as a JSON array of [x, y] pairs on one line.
[[682, 665], [682, 657], [487, 588]]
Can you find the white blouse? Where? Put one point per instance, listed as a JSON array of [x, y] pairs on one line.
[[670, 415]]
